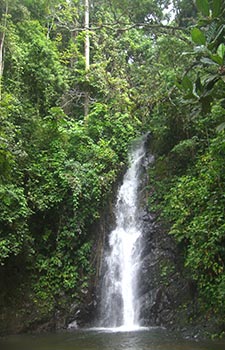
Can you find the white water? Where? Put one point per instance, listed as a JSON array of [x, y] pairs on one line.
[[119, 307]]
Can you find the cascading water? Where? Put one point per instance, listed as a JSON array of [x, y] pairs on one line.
[[118, 305]]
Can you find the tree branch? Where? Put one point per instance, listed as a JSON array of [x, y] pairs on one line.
[[122, 26]]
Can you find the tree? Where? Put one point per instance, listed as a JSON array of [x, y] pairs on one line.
[[2, 40], [87, 54]]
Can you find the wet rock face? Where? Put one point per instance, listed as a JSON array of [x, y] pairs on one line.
[[161, 288]]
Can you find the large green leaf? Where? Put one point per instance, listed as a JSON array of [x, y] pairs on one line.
[[221, 51], [203, 6], [218, 37], [187, 84], [198, 36], [208, 61], [220, 127], [216, 58], [210, 82], [216, 7]]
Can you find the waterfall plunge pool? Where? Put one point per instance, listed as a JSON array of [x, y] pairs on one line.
[[107, 339]]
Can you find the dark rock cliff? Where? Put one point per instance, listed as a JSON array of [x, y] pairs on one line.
[[163, 290]]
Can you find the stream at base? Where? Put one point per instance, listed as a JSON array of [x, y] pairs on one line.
[[100, 339]]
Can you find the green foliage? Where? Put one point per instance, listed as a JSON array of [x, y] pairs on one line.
[[57, 167], [130, 10], [14, 234], [57, 171], [203, 6], [187, 180], [209, 54], [195, 206], [198, 36]]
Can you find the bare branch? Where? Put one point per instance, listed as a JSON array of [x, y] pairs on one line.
[[121, 26]]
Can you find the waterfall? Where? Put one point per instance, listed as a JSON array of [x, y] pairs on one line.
[[119, 307]]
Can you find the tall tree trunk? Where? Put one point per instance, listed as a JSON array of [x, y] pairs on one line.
[[87, 38], [87, 54], [2, 39]]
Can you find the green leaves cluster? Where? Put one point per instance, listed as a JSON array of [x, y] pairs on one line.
[[195, 206], [57, 169], [188, 177], [205, 8], [209, 52]]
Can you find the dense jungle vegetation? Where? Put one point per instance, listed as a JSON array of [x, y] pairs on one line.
[[65, 129]]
